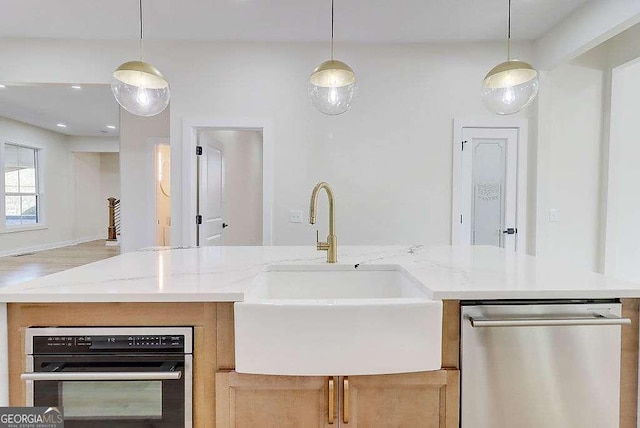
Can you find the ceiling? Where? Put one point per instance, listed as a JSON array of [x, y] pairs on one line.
[[86, 111], [284, 20]]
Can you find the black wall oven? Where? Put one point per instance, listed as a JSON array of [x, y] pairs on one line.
[[112, 377]]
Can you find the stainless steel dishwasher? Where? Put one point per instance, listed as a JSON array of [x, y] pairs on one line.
[[535, 364]]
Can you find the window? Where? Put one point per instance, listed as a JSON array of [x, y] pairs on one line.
[[22, 205]]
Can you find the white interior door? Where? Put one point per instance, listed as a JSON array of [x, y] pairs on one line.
[[488, 187], [210, 196]]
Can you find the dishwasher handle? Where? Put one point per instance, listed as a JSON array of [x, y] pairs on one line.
[[590, 319]]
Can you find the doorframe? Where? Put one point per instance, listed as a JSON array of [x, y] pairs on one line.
[[190, 128], [522, 126]]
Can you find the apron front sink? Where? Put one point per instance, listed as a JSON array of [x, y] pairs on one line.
[[330, 320]]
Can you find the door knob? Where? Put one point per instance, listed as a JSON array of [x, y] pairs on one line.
[[510, 231], [224, 225]]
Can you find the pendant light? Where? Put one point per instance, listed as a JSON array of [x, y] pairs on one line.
[[332, 84], [510, 86], [139, 87]]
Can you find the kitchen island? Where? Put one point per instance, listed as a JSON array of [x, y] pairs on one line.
[[176, 279]]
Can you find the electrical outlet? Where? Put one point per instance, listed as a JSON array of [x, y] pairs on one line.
[[554, 215], [295, 216]]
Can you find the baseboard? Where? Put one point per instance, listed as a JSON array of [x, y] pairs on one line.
[[50, 246]]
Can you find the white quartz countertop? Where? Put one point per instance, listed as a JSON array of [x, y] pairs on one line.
[[223, 274]]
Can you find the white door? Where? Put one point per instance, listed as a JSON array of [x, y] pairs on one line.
[[210, 196], [488, 188]]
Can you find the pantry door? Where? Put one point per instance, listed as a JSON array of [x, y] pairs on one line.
[[487, 187]]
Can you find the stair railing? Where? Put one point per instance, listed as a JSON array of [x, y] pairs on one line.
[[113, 230]]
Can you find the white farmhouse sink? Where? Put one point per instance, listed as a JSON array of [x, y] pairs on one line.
[[325, 320]]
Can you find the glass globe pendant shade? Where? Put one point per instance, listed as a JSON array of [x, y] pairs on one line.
[[509, 87], [140, 88], [332, 87]]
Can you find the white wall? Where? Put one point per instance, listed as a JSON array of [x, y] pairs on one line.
[[110, 176], [75, 180], [590, 25], [96, 178], [94, 144], [568, 163], [89, 208], [56, 186], [242, 205], [581, 170], [388, 159], [138, 177], [623, 213]]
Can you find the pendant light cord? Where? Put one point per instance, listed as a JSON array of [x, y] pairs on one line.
[[508, 35], [331, 30], [141, 34]]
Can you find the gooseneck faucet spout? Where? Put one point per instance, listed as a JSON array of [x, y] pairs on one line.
[[331, 245]]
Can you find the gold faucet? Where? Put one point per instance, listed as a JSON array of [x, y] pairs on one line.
[[331, 246]]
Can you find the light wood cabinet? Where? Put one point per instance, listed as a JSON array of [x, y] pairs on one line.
[[250, 401], [413, 400]]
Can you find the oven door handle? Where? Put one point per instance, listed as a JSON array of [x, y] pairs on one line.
[[98, 376]]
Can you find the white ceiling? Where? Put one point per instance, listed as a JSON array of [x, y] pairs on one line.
[[86, 111], [283, 20]]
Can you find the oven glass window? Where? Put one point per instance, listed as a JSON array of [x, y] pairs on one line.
[[112, 399]]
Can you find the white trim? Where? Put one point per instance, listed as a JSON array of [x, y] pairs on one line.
[[522, 125], [16, 229], [51, 246], [189, 179]]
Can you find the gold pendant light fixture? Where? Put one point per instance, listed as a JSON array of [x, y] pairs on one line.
[[139, 87], [510, 86], [332, 85]]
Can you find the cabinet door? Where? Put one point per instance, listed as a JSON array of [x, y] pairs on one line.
[[274, 401], [413, 400]]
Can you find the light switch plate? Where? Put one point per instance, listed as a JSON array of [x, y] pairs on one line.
[[295, 216], [554, 215]]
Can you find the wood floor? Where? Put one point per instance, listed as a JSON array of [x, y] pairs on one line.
[[16, 269]]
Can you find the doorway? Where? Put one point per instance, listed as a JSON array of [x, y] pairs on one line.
[[163, 194], [229, 194], [489, 186]]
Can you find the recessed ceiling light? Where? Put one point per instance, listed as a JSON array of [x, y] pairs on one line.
[[76, 87], [61, 125], [2, 86], [111, 126]]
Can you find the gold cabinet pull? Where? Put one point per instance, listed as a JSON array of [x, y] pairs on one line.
[[345, 400], [332, 415]]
